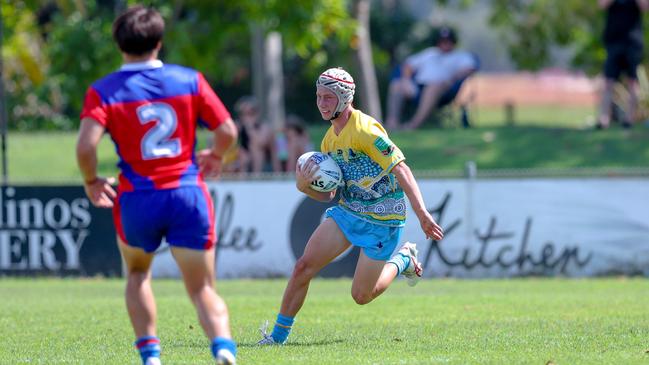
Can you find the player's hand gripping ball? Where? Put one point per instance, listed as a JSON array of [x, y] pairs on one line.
[[330, 175]]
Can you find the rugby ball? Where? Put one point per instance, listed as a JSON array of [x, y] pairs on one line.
[[330, 175]]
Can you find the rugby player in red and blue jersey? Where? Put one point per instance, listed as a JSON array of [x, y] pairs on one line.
[[151, 111]]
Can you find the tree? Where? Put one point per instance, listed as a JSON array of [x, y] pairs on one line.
[[532, 28], [369, 91], [31, 96], [46, 80]]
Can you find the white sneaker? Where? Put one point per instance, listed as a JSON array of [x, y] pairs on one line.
[[225, 357], [414, 271], [266, 339]]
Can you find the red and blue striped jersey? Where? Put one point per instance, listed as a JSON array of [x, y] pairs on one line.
[[151, 111]]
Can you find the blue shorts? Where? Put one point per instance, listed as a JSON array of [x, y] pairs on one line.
[[184, 216], [378, 241]]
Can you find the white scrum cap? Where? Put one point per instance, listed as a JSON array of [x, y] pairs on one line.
[[341, 83]]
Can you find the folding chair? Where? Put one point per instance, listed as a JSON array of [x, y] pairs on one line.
[[443, 113]]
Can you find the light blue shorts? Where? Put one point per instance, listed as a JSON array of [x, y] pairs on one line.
[[378, 241]]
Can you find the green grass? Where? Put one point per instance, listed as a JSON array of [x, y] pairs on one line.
[[50, 157], [524, 147], [522, 321], [549, 116], [542, 138]]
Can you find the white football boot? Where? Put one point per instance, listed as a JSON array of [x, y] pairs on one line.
[[266, 338], [414, 271], [225, 357]]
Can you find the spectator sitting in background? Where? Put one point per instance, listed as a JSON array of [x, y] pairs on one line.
[[425, 76], [257, 150], [298, 140], [623, 39]]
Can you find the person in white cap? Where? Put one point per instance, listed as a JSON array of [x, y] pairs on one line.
[[371, 212]]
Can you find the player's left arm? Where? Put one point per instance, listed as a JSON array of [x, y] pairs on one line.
[[378, 146], [210, 160], [409, 185], [215, 116], [98, 189]]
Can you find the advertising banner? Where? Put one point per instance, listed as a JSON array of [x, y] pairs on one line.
[[494, 228], [54, 230]]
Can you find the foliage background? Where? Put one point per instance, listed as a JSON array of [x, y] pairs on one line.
[[54, 49]]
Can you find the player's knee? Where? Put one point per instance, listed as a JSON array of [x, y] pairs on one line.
[[303, 269], [137, 277], [196, 290], [361, 297]]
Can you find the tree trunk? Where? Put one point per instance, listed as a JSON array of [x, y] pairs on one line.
[[3, 111], [268, 76], [274, 81], [367, 86], [257, 71]]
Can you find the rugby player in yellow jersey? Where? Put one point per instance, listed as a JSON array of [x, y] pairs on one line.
[[371, 212]]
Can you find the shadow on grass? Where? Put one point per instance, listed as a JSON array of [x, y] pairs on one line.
[[296, 344]]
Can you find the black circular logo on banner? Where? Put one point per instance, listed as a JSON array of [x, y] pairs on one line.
[[306, 219]]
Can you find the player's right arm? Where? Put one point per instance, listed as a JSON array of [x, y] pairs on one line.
[[98, 189], [305, 175]]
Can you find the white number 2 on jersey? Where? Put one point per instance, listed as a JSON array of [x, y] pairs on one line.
[[156, 142]]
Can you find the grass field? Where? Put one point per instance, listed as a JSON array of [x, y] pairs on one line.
[[556, 143], [550, 116], [522, 321]]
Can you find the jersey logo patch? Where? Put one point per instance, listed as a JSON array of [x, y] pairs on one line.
[[384, 145]]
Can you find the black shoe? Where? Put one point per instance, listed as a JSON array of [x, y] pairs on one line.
[[627, 125]]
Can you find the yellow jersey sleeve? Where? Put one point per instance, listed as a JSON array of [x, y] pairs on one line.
[[377, 145]]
